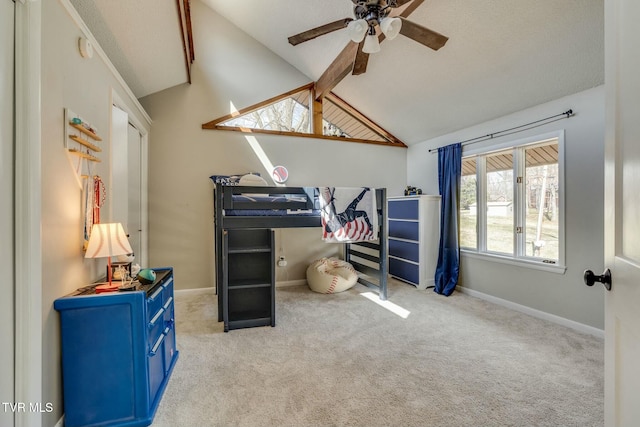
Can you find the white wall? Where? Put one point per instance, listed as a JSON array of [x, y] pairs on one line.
[[561, 295], [7, 284], [85, 86], [234, 70]]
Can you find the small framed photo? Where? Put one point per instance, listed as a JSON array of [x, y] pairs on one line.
[[119, 271]]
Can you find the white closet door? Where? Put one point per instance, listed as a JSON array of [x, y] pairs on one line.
[[7, 287], [135, 228], [128, 181], [119, 197]]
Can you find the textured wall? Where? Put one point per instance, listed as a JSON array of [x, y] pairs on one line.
[[233, 70], [563, 295], [85, 86]]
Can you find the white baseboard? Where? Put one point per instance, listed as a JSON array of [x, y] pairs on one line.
[[580, 327], [194, 290], [279, 284], [285, 283]]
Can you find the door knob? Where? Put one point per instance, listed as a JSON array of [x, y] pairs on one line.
[[605, 278]]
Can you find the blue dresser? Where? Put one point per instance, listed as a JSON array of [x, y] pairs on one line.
[[118, 352], [414, 233]]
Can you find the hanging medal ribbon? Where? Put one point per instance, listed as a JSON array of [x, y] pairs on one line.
[[87, 208], [99, 198]]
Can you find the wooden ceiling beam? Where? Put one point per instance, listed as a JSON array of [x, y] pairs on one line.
[[186, 33], [306, 135], [317, 114], [338, 70], [187, 13]]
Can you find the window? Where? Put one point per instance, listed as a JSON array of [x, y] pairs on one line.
[[287, 115], [511, 201], [468, 205], [291, 114], [499, 202]]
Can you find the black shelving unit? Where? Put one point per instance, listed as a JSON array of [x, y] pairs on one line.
[[248, 285]]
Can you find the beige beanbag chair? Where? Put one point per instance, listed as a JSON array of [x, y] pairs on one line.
[[331, 275]]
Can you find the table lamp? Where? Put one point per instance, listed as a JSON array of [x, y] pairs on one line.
[[108, 240]]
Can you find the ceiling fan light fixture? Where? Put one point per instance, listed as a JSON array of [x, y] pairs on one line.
[[371, 44], [391, 27], [357, 29]]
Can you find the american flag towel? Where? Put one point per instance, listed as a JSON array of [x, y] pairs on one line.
[[348, 214]]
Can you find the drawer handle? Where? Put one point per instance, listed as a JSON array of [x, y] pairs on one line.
[[157, 344], [170, 323], [155, 318], [168, 303], [156, 293]]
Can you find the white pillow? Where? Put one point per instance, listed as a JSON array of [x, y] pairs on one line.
[[253, 180]]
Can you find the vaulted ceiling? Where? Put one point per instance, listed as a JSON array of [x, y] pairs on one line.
[[502, 56]]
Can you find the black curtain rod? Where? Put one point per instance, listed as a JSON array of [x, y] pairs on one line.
[[516, 129]]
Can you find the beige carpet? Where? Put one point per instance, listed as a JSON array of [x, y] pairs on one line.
[[343, 360]]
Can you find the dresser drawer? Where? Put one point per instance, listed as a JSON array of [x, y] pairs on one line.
[[406, 250], [168, 290], [404, 270], [169, 346], [403, 209], [158, 303], [404, 230], [156, 365], [154, 303]]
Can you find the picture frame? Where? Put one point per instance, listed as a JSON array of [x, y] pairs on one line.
[[116, 271]]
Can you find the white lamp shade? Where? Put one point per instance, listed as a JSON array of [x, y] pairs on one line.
[[107, 240], [371, 44], [391, 27], [357, 29]]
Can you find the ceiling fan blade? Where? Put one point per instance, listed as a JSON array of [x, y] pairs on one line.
[[361, 61], [319, 31], [422, 35], [399, 3], [411, 8]]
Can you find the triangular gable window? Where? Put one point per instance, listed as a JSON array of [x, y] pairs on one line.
[[289, 114]]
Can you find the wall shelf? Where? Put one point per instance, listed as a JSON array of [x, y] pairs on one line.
[[83, 155], [82, 143], [85, 131], [84, 138], [85, 143]]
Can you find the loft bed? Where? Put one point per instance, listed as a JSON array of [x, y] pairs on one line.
[[238, 207]]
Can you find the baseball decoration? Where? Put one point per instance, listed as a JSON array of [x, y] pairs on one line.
[[280, 174], [331, 275]]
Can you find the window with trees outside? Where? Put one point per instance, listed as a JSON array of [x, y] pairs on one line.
[[298, 113], [511, 201]]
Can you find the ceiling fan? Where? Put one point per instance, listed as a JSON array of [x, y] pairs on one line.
[[370, 14]]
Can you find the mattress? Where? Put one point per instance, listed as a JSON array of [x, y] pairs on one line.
[[278, 200]]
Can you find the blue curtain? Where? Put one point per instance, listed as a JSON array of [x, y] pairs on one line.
[[449, 167]]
